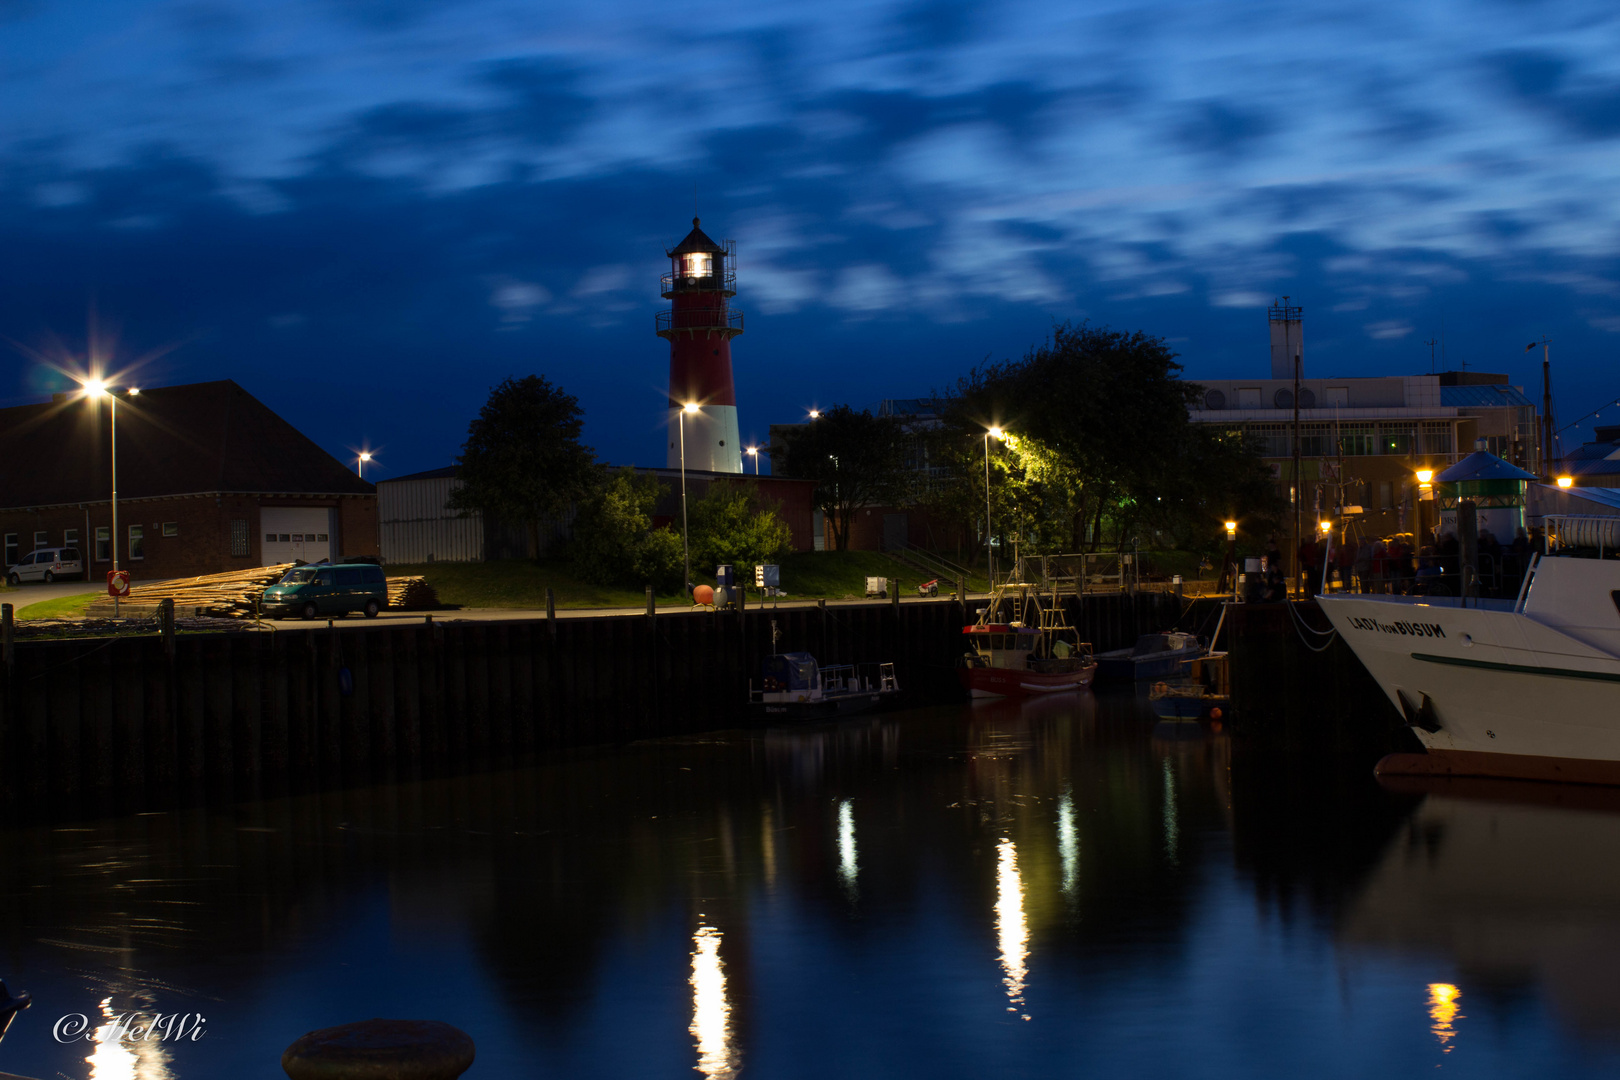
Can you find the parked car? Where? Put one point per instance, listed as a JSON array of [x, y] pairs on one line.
[[47, 564], [312, 591]]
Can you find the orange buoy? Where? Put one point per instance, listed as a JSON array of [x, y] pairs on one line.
[[703, 594], [1215, 713]]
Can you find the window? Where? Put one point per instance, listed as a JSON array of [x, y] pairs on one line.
[[239, 537], [70, 537], [347, 578], [11, 549], [103, 543], [373, 575], [1398, 439], [1272, 440], [41, 539], [1315, 440], [137, 542], [320, 538], [70, 554], [1358, 439], [1386, 492], [1436, 439], [171, 528]]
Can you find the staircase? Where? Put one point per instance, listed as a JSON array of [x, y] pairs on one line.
[[927, 563]]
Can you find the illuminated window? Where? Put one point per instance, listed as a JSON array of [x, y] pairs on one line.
[[697, 264]]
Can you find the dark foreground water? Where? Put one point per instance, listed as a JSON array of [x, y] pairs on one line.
[[1044, 890]]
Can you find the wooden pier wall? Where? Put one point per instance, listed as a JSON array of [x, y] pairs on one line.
[[258, 713]]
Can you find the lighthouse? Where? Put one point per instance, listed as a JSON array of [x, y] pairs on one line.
[[700, 324]]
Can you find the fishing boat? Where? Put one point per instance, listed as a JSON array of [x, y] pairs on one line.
[[1014, 659], [794, 686], [1202, 690], [1154, 656], [1526, 688]]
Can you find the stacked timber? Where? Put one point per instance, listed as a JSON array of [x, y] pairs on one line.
[[232, 595], [411, 594]]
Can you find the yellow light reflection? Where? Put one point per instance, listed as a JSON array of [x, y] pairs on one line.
[[1068, 843], [848, 866], [711, 1012], [1443, 1011], [118, 1058], [1012, 930]]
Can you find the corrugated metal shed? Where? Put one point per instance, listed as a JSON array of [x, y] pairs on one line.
[[414, 525]]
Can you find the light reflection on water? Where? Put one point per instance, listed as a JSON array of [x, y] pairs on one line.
[[826, 900]]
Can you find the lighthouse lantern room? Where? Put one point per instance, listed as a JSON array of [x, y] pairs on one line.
[[700, 324]]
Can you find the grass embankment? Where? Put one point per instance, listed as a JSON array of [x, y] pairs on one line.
[[522, 583], [63, 607]]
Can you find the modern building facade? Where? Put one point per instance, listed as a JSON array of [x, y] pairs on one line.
[[209, 480]]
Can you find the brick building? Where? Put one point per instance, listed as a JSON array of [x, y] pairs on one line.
[[209, 479]]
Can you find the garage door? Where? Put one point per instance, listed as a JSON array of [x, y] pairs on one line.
[[291, 533]]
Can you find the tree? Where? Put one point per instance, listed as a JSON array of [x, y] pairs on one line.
[[523, 461], [855, 458], [614, 539], [733, 524]]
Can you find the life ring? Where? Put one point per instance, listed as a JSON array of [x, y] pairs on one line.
[[1161, 688]]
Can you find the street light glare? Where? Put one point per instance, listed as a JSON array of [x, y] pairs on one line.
[[134, 391], [365, 455], [1566, 481], [815, 414], [753, 449], [94, 387], [691, 406], [1231, 526], [1425, 475], [1327, 526], [997, 433]]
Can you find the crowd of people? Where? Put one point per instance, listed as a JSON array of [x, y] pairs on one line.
[[1398, 564]]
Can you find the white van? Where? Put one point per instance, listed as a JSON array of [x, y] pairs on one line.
[[47, 564]]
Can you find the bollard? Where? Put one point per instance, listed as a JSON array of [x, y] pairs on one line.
[[8, 636], [166, 624], [651, 609], [551, 610], [381, 1050], [894, 593]]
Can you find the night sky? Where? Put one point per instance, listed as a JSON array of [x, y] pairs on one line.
[[368, 212]]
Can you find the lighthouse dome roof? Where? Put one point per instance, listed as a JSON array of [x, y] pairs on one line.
[[696, 241]]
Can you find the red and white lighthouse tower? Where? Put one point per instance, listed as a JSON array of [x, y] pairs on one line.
[[700, 325]]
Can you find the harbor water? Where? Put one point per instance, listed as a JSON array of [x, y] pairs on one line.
[[1057, 888]]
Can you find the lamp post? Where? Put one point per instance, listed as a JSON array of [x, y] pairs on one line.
[[1327, 552], [1230, 566], [95, 389], [1425, 494], [365, 456], [753, 452], [686, 542], [990, 552]]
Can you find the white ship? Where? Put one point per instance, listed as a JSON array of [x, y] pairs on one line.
[[1526, 688]]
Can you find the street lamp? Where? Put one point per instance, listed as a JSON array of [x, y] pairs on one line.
[[815, 414], [686, 542], [94, 389], [1230, 565], [990, 552], [365, 456], [1566, 481], [753, 452]]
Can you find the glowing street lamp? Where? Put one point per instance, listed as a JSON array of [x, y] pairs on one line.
[[753, 452], [365, 456], [95, 389], [998, 434], [1230, 566], [1566, 481], [1424, 476], [815, 414], [686, 541]]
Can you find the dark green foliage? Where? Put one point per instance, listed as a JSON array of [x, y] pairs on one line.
[[614, 539], [733, 524], [855, 458], [523, 460], [1100, 449]]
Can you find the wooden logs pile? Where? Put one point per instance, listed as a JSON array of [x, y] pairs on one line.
[[411, 594], [230, 595]]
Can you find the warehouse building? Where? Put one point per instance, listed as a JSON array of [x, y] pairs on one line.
[[209, 480]]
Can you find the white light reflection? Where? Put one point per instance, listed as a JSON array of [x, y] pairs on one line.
[[1068, 843], [1172, 824], [1011, 929], [118, 1058], [848, 866], [711, 1012]]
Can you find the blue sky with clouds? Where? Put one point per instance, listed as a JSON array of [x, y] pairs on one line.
[[370, 211]]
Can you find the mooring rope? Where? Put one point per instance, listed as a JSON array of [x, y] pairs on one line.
[[1300, 625]]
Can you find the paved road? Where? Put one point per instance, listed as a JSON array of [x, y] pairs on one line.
[[500, 614], [38, 592]]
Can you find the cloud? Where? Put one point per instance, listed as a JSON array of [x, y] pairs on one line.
[[1588, 105], [1388, 329], [517, 301]]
